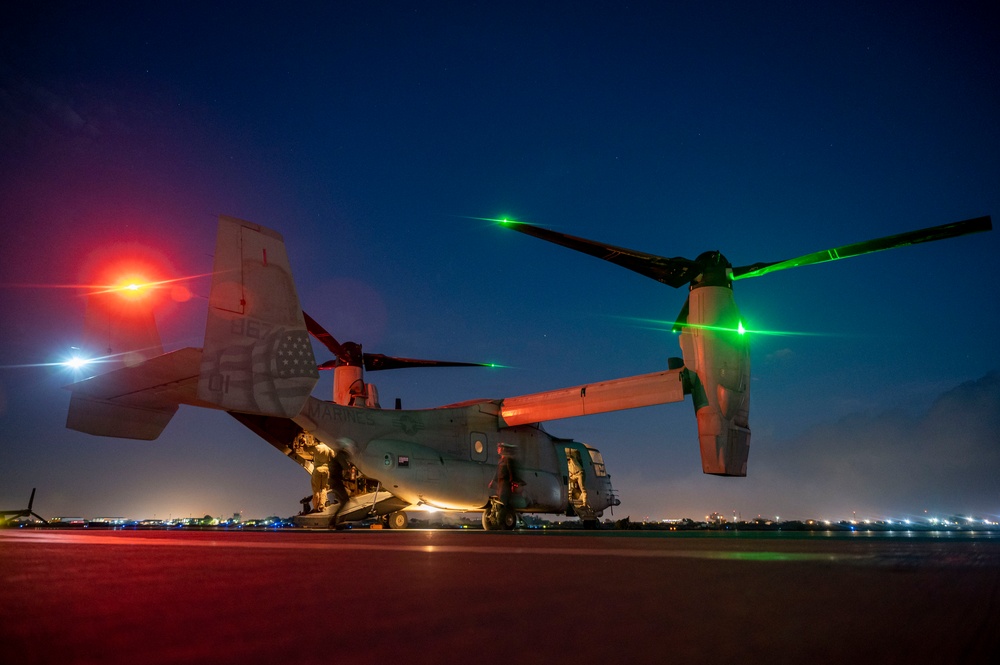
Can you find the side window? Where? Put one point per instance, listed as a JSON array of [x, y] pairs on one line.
[[479, 447]]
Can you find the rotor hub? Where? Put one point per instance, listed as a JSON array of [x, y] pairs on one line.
[[716, 270]]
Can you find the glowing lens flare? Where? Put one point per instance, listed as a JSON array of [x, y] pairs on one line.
[[135, 287], [741, 328], [495, 220], [73, 362], [131, 286], [502, 221], [77, 362]]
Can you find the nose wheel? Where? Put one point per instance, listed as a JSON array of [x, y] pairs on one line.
[[498, 517]]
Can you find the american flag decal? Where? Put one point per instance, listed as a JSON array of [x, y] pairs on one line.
[[293, 355], [292, 371], [272, 374]]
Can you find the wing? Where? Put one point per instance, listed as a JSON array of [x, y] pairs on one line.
[[616, 395]]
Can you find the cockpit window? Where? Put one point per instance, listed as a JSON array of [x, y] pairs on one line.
[[598, 460]]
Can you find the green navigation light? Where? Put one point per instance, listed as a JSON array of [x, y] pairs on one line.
[[495, 365], [740, 328], [507, 221], [502, 221]]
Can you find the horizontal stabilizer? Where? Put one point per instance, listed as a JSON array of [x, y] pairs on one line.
[[135, 402], [615, 395], [103, 418]]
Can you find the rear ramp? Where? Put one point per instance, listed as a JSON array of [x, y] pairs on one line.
[[359, 507]]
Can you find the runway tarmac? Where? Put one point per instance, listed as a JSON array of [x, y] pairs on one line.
[[402, 597]]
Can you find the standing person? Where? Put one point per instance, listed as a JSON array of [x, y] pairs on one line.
[[338, 466], [506, 477], [577, 479], [321, 456]]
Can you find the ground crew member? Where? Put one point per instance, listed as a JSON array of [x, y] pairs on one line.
[[576, 476], [338, 466], [506, 477], [321, 456]]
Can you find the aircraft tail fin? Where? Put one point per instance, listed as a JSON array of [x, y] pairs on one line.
[[257, 356]]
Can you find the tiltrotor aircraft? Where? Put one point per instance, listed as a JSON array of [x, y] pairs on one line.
[[257, 364], [8, 517]]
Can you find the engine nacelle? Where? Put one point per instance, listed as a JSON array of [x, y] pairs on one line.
[[717, 356], [350, 389]]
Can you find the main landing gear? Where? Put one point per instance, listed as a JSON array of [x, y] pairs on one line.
[[397, 520], [498, 517]]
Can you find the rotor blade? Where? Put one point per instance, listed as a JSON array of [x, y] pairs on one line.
[[349, 353], [325, 338], [931, 234], [377, 361], [675, 272]]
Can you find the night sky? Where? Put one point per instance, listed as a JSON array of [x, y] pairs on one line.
[[371, 134]]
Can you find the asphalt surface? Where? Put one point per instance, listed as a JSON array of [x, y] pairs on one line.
[[86, 596]]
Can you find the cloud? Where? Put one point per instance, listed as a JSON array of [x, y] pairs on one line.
[[942, 459], [781, 354], [890, 464]]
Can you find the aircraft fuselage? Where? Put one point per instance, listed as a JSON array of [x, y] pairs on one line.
[[446, 457]]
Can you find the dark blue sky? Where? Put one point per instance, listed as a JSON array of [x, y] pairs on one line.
[[368, 133]]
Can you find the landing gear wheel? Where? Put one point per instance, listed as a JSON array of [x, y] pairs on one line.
[[506, 518], [498, 517], [590, 525], [397, 520]]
